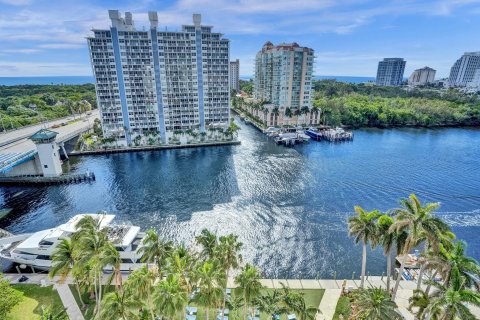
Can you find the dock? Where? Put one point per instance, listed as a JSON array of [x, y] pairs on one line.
[[41, 180], [331, 135], [155, 148]]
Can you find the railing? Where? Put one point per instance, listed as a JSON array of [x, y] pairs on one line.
[[11, 162]]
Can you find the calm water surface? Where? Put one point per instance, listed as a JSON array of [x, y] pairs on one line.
[[288, 205]]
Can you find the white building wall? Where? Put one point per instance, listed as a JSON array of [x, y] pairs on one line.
[[177, 88], [463, 70], [422, 76], [49, 156]]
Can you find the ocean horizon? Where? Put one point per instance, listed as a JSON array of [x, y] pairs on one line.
[[14, 81]]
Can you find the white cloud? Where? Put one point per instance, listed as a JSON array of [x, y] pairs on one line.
[[32, 68], [64, 25], [62, 45], [17, 2], [26, 51]]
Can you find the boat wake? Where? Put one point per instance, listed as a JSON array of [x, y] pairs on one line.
[[461, 219]]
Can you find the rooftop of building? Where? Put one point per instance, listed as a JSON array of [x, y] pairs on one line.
[[284, 46], [43, 134], [393, 59], [426, 68]]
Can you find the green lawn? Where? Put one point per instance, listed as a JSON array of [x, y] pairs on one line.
[[312, 298], [34, 297], [343, 308]]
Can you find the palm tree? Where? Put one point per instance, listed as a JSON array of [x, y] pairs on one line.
[[363, 227], [388, 240], [234, 304], [182, 264], [91, 240], [297, 114], [425, 310], [315, 110], [422, 227], [119, 305], [111, 257], [445, 260], [249, 282], [63, 261], [375, 304], [210, 283], [170, 298], [227, 252], [271, 303], [304, 111], [208, 241], [276, 112], [447, 302], [155, 250], [303, 311], [140, 286]]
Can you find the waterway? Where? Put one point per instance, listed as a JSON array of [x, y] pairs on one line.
[[289, 206]]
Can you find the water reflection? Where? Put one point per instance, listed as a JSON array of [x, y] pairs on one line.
[[288, 205]]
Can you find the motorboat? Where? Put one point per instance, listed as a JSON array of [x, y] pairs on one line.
[[36, 249]]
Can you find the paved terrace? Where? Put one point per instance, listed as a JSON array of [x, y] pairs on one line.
[[327, 306]]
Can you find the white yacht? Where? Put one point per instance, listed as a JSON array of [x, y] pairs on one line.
[[36, 249]]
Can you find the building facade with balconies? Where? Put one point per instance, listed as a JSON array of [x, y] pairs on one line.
[[283, 84], [157, 83]]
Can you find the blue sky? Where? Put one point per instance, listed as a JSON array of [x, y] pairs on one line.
[[45, 38]]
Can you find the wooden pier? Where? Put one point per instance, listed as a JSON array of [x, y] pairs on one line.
[[41, 180]]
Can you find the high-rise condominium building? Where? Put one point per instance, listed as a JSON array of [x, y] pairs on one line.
[[235, 75], [390, 72], [283, 79], [463, 70], [422, 77], [160, 82]]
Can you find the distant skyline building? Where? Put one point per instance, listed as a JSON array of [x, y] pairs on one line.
[[283, 79], [463, 70], [422, 76], [159, 82], [474, 85], [235, 75], [390, 72]]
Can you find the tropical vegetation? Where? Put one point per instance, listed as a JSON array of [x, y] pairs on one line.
[[365, 105], [172, 278], [414, 225], [24, 105]]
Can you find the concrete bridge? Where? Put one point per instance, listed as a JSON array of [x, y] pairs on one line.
[[19, 155]]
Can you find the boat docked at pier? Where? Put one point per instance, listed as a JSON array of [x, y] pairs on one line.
[[36, 249], [332, 135]]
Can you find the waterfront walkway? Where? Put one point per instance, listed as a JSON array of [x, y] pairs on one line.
[[333, 289], [69, 302], [153, 148]]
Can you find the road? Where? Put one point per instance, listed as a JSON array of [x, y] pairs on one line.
[[18, 142], [22, 133]]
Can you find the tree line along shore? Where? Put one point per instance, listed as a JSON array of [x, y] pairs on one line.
[[339, 103]]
